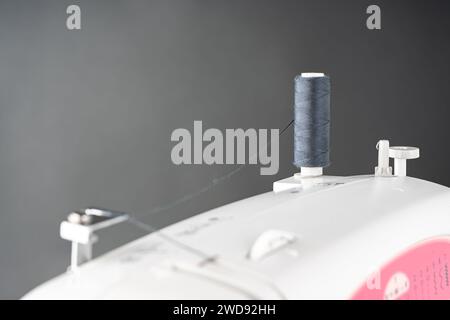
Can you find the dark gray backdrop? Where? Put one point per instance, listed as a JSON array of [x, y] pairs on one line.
[[86, 116]]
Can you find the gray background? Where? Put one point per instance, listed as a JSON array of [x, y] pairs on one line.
[[86, 116]]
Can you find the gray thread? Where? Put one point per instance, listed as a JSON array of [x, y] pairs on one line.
[[149, 229], [206, 188], [312, 121], [135, 221], [311, 148]]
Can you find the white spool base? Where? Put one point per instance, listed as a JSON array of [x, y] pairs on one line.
[[309, 172]]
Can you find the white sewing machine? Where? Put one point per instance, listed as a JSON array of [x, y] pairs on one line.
[[380, 236], [377, 236]]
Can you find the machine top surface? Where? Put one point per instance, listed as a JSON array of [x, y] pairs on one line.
[[285, 244]]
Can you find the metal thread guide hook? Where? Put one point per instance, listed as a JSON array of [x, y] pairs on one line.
[[80, 227]]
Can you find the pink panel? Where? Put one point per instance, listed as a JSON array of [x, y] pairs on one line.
[[422, 272]]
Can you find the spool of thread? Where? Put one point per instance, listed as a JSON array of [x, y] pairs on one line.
[[312, 123]]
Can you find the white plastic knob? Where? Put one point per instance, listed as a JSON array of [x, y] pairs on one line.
[[404, 152], [400, 155], [269, 242]]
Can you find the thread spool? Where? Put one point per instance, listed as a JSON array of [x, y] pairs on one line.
[[311, 123]]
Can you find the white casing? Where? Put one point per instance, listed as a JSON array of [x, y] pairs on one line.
[[331, 235]]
